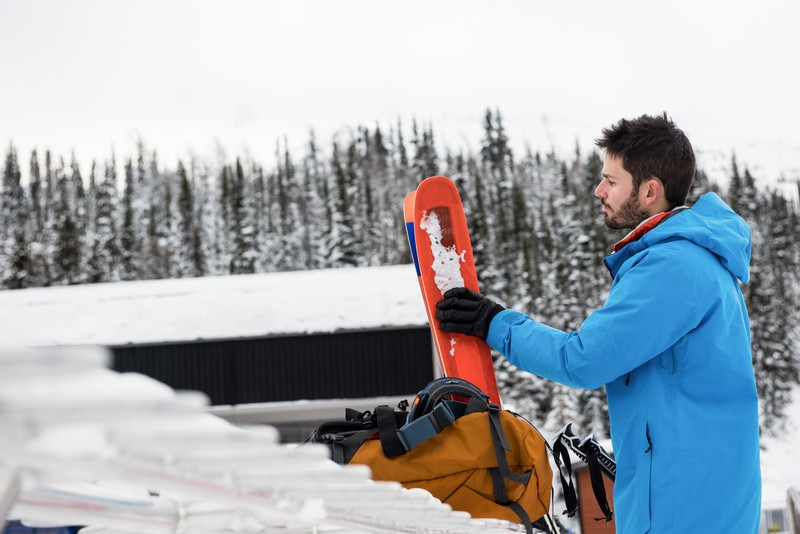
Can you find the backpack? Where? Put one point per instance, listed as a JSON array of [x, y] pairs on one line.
[[452, 442]]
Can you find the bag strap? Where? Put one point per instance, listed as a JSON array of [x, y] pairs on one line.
[[501, 445], [523, 515], [503, 472], [432, 395], [343, 446], [388, 421], [501, 498], [427, 426]]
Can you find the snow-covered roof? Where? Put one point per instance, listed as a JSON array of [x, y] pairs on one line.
[[220, 307]]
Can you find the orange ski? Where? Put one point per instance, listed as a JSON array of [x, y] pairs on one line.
[[439, 239]]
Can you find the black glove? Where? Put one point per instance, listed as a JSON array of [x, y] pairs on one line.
[[465, 312]]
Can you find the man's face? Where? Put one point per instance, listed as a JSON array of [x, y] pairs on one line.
[[621, 204]]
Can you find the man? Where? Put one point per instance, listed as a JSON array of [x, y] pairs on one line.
[[671, 344]]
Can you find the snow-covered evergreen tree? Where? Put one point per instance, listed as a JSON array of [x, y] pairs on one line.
[[36, 196], [244, 252], [37, 228], [293, 235], [206, 216], [104, 251], [773, 312], [496, 169], [563, 408], [14, 213], [342, 248], [362, 159], [316, 216], [425, 161], [404, 182], [158, 235], [189, 255], [130, 247], [68, 245]]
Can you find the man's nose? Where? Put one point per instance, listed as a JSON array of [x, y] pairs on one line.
[[599, 191]]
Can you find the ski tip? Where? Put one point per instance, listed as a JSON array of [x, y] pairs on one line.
[[566, 430], [437, 177], [433, 181], [408, 206], [441, 188]]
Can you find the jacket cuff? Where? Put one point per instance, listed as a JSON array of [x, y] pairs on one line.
[[501, 323]]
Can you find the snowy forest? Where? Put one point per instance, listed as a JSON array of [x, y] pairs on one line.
[[537, 232]]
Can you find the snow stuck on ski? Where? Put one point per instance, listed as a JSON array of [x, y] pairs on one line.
[[446, 260]]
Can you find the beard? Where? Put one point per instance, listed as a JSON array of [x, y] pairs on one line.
[[629, 215]]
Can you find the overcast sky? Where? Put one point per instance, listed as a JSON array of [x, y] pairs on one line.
[[184, 75]]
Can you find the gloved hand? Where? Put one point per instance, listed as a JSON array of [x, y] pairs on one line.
[[465, 312]]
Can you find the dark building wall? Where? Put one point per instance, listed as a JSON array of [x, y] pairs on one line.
[[320, 366]]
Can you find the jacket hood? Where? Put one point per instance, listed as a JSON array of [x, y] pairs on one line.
[[711, 224]]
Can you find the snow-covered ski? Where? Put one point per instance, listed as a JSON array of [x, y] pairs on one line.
[[439, 240]]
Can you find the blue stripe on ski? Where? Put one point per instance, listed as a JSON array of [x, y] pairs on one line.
[[412, 242]]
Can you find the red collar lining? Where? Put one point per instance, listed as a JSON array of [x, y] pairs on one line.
[[642, 229]]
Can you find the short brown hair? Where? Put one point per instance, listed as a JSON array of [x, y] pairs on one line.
[[652, 146]]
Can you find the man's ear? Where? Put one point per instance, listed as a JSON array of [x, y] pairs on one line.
[[654, 195]]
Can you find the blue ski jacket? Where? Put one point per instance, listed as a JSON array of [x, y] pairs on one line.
[[672, 346]]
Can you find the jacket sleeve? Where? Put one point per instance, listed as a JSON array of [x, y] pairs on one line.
[[653, 304]]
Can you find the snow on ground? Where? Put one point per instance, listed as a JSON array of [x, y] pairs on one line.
[[780, 462]]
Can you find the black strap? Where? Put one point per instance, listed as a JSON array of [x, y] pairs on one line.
[[523, 516], [501, 497], [501, 445], [387, 430], [344, 446], [598, 486], [439, 418], [564, 464], [351, 415], [338, 453], [497, 427], [476, 406], [499, 485]]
